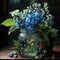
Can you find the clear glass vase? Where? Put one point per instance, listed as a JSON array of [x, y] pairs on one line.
[[28, 43]]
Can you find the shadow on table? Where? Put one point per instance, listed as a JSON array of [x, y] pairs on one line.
[[57, 55]]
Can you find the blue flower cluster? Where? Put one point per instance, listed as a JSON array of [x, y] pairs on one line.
[[17, 23], [31, 19]]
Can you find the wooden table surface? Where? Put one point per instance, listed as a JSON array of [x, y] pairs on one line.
[[5, 51]]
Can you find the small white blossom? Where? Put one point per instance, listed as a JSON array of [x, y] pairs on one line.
[[13, 13], [45, 4]]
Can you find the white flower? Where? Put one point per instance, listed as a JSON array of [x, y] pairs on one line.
[[39, 4], [45, 4], [13, 13]]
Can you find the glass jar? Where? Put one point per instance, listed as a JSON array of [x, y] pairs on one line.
[[28, 43]]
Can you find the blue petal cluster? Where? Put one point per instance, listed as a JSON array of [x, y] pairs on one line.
[[31, 19], [17, 23]]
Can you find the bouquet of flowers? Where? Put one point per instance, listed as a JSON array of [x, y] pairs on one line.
[[34, 21]]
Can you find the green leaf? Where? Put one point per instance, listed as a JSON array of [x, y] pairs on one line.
[[53, 33], [8, 22], [12, 28], [15, 45]]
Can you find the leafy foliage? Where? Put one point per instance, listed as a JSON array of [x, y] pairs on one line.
[[12, 28], [16, 44], [36, 17], [8, 22]]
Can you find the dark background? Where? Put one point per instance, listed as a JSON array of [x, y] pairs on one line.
[[7, 6]]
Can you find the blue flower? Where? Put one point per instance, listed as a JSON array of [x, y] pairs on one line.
[[28, 16], [29, 28], [27, 20], [25, 23], [35, 14], [17, 23]]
